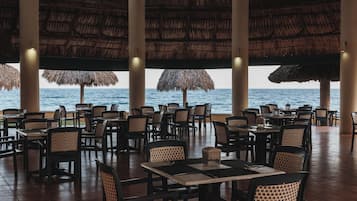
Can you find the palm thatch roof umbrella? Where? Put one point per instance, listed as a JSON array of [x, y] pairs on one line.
[[81, 78], [9, 77], [185, 80], [307, 72]]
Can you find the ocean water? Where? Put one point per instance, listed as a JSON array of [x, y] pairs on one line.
[[221, 99]]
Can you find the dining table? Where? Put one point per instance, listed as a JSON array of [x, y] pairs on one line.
[[279, 118], [261, 134], [208, 176]]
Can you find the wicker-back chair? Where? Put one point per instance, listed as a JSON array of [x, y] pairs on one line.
[[155, 124], [264, 109], [137, 130], [34, 115], [114, 107], [199, 114], [251, 116], [167, 151], [112, 190], [290, 159], [321, 116], [294, 136], [147, 111], [63, 145], [285, 187], [256, 110], [180, 124], [97, 142], [11, 122], [98, 110]]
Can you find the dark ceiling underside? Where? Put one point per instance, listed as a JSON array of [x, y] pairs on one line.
[[93, 34]]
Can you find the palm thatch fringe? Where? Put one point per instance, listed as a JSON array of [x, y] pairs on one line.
[[9, 77]]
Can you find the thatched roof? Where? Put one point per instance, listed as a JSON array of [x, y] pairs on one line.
[[86, 78], [94, 34], [304, 73], [185, 80], [9, 77]]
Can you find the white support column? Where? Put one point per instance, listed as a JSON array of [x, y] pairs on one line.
[[136, 24], [29, 55], [348, 64], [325, 93], [240, 47]]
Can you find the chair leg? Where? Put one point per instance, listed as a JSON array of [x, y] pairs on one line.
[[353, 141]]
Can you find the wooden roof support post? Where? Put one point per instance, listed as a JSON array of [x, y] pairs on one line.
[[136, 24], [348, 64], [29, 55], [325, 93], [240, 15]]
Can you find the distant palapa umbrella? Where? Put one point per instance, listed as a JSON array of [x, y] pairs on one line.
[[82, 78], [9, 77], [185, 80], [305, 72]]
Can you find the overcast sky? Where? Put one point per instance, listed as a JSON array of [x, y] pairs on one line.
[[258, 79]]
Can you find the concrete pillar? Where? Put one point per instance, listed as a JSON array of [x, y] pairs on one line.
[[348, 64], [240, 15], [29, 55], [136, 53], [325, 93]]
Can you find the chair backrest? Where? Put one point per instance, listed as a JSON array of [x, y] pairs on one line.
[[114, 107], [181, 115], [111, 183], [272, 106], [147, 110], [163, 108], [56, 115], [33, 124], [135, 111], [275, 188], [157, 117], [84, 105], [290, 159], [11, 111], [137, 124], [354, 118], [168, 150], [61, 140], [256, 110], [321, 113], [237, 121], [294, 135], [111, 114], [173, 105], [251, 116], [304, 115], [264, 109], [98, 110], [221, 132], [62, 111], [306, 122], [208, 109], [200, 110], [34, 115], [100, 128], [305, 108]]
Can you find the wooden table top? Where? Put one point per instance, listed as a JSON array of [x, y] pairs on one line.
[[255, 129]]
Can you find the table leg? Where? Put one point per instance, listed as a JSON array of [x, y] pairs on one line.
[[122, 139], [260, 149], [210, 192], [25, 150], [164, 127]]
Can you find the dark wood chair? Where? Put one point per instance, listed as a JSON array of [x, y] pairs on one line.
[[97, 141], [180, 123], [264, 109], [354, 128], [168, 150], [321, 116], [112, 187], [63, 145], [114, 107], [199, 115], [66, 116], [294, 136], [34, 115], [224, 140], [137, 130], [209, 112]]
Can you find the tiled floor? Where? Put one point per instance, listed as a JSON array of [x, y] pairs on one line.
[[333, 173]]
